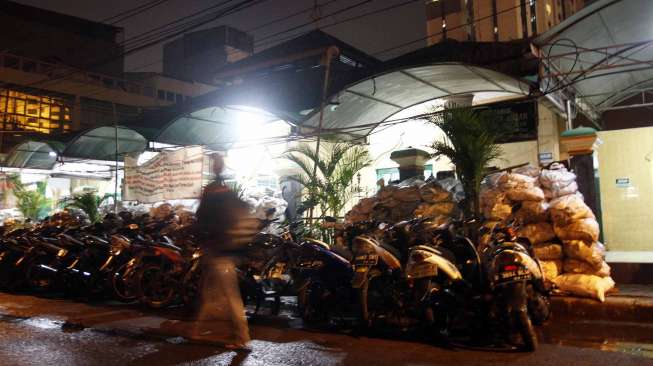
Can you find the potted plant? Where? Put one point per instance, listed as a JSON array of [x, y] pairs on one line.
[[89, 203], [470, 142], [331, 187], [33, 204]]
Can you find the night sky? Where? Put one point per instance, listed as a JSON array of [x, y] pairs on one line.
[[371, 34]]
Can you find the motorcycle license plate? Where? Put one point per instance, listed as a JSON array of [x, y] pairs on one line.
[[517, 275], [422, 271], [366, 260]]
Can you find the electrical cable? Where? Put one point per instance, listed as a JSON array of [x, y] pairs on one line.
[[130, 13], [236, 8]]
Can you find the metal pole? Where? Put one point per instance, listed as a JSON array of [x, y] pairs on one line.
[[570, 123], [115, 186], [330, 53]]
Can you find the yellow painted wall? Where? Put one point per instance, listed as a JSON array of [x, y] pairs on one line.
[[627, 214]]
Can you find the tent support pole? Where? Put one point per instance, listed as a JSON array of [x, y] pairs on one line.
[[115, 186], [329, 55]]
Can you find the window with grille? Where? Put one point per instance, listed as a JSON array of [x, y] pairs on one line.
[[20, 111]]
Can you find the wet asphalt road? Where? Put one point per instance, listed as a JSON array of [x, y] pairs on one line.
[[42, 341]]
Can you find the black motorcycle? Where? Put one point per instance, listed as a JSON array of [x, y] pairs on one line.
[[515, 281]]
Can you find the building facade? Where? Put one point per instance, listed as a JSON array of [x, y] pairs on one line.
[[495, 20]]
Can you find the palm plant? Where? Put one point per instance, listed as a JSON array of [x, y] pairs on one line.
[[336, 166], [34, 205], [470, 143], [89, 203]]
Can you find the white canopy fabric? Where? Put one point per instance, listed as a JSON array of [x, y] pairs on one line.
[[359, 108], [604, 53]]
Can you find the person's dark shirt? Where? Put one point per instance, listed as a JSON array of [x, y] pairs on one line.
[[217, 213]]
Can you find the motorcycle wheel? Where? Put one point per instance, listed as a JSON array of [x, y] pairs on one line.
[[525, 327], [154, 288], [367, 316], [307, 299], [539, 307], [121, 286], [191, 289]]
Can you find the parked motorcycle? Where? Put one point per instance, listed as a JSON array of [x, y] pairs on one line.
[[515, 280], [396, 272]]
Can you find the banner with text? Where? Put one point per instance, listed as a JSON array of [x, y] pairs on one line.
[[169, 175]]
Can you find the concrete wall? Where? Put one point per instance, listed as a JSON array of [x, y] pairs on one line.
[[626, 207]]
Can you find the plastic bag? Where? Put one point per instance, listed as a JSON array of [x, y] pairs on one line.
[[590, 286], [537, 233], [389, 202], [433, 192], [556, 179], [525, 194], [548, 251], [593, 254], [497, 212], [528, 170], [408, 194], [387, 192], [569, 209], [411, 182], [366, 205], [509, 182], [586, 230], [492, 181], [532, 212], [556, 193], [551, 269], [435, 209]]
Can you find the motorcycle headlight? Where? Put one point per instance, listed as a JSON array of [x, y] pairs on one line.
[[62, 253], [196, 255]]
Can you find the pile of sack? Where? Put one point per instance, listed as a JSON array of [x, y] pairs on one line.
[[409, 199], [562, 228]]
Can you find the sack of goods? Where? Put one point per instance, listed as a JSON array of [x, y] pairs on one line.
[[554, 217], [557, 181], [551, 269], [537, 233], [548, 251], [410, 198]]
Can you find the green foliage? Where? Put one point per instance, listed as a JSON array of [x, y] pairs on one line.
[[470, 144], [89, 203], [337, 166], [32, 204]]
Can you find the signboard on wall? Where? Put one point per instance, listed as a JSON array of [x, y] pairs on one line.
[[518, 117], [169, 175]]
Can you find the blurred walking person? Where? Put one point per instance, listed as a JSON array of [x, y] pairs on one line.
[[226, 226]]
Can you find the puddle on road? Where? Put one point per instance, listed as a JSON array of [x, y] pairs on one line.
[[43, 323]]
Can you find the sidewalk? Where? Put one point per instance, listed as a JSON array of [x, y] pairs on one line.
[[631, 303]]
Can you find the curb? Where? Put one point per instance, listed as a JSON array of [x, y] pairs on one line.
[[617, 308]]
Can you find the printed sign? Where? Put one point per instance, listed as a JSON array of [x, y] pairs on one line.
[[169, 175], [546, 157], [623, 182]]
